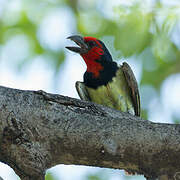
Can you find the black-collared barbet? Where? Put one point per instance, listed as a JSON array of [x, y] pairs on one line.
[[104, 81]]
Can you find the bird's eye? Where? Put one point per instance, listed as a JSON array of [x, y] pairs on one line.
[[92, 43]]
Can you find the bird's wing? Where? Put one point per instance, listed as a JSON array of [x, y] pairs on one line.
[[82, 91], [132, 83]]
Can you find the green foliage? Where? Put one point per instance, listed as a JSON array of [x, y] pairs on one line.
[[49, 176], [140, 31], [93, 177], [144, 33], [100, 175]]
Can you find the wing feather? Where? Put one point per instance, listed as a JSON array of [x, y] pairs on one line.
[[82, 91], [132, 83]]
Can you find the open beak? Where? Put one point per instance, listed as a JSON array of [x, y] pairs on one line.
[[82, 46]]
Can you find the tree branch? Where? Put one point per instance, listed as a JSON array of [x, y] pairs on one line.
[[39, 130]]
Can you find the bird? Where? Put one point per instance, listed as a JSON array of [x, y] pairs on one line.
[[104, 81]]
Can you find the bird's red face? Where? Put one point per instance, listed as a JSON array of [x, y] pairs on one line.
[[91, 50]]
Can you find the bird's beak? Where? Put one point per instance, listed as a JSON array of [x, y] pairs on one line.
[[83, 47]]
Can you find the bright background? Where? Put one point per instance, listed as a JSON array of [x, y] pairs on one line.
[[145, 33]]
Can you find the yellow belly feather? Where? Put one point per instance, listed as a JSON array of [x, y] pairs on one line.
[[115, 94]]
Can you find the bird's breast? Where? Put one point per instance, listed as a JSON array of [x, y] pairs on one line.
[[115, 94]]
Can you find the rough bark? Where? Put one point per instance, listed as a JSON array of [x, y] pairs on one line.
[[39, 130]]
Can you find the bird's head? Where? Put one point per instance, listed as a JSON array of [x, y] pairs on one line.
[[93, 51]]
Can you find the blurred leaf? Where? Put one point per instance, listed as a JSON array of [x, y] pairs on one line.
[[176, 118], [100, 175], [30, 29], [156, 77], [143, 32], [49, 176], [144, 114], [176, 121], [163, 48], [132, 35], [55, 59], [93, 177]]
